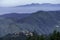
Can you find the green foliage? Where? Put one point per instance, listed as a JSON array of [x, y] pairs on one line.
[[54, 36], [36, 37]]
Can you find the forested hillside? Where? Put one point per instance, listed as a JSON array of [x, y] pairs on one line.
[[43, 22]]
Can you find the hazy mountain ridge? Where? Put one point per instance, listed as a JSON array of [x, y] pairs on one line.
[[29, 8], [15, 15], [37, 4], [43, 22]]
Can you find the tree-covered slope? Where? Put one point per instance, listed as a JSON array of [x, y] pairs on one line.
[[42, 22], [45, 21]]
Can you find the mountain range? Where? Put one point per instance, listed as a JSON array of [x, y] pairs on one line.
[[29, 8], [42, 22], [38, 5]]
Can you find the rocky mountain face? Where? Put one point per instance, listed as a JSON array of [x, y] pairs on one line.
[[42, 22]]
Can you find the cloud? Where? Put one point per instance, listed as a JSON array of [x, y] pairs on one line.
[[9, 3]]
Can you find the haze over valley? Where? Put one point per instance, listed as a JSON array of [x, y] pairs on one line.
[[29, 8]]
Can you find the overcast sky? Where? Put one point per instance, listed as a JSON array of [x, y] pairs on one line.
[[9, 3]]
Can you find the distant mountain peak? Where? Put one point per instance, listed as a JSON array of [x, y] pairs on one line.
[[37, 4]]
